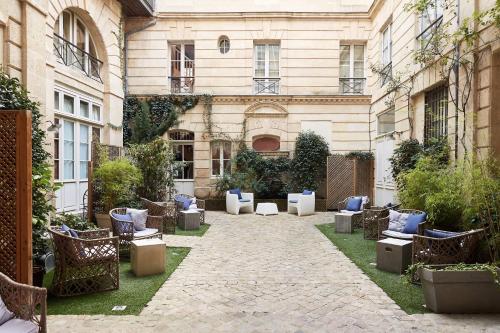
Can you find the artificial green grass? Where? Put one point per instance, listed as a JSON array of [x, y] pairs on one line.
[[135, 292], [363, 253], [199, 232]]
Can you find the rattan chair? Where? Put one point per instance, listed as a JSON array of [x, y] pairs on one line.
[[86, 264], [179, 206], [383, 223], [126, 232], [370, 220], [26, 302], [357, 218], [165, 210]]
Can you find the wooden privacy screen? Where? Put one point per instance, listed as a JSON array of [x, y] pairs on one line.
[[346, 177], [15, 195]]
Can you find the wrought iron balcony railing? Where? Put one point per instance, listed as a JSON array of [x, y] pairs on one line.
[[266, 86], [426, 36], [73, 56], [181, 84], [352, 85], [386, 74]]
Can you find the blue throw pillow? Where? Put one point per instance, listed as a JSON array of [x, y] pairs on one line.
[[73, 233], [65, 228], [412, 223], [307, 192], [186, 203], [236, 191], [353, 204], [439, 233], [123, 217]]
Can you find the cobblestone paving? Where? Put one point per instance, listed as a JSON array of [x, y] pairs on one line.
[[251, 273]]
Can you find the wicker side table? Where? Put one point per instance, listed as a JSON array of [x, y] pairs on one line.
[[189, 219]]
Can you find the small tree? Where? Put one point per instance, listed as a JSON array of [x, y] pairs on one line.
[[308, 166]]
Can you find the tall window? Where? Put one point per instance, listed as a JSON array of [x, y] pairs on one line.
[[183, 145], [352, 69], [386, 122], [266, 69], [221, 158], [387, 54], [430, 21], [436, 113], [182, 68]]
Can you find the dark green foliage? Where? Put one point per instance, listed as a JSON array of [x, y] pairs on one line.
[[146, 119], [74, 221], [13, 96], [308, 167], [360, 155]]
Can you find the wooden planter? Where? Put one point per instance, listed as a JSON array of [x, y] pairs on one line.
[[460, 291]]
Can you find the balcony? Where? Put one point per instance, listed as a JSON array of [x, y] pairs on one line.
[[181, 84], [386, 74], [133, 8], [352, 85], [73, 56], [266, 86]]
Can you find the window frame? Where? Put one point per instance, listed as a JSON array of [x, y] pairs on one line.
[[267, 57], [384, 113], [426, 30], [436, 114], [183, 77], [351, 78], [220, 159], [224, 49], [175, 144]]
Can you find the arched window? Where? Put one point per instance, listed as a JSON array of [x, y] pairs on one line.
[[266, 143], [183, 145], [224, 44], [74, 45]]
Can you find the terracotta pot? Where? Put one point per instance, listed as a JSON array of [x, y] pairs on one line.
[[460, 291], [38, 275], [103, 221]]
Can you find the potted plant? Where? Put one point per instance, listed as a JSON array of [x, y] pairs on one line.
[[117, 181]]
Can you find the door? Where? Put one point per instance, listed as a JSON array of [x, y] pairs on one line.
[[384, 183]]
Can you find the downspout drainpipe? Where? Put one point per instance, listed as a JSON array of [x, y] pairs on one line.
[[125, 50], [457, 81]]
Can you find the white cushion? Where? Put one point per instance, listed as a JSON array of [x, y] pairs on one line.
[[350, 212], [193, 206], [145, 232], [18, 326], [139, 216], [395, 234], [364, 201], [5, 314]]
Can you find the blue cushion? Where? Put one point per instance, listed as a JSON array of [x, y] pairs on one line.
[[186, 203], [439, 233], [73, 233], [245, 200], [236, 191], [70, 231], [123, 217], [65, 228], [354, 204], [293, 201], [307, 192], [412, 223]]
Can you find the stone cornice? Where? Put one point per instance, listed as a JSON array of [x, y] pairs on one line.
[[265, 15], [292, 99]]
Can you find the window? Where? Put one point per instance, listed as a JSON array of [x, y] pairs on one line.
[[183, 145], [267, 69], [182, 68], [352, 69], [436, 113], [84, 151], [386, 54], [266, 143], [221, 158], [224, 44], [69, 104], [56, 100], [84, 109], [430, 21], [386, 122], [56, 151], [69, 149], [96, 112]]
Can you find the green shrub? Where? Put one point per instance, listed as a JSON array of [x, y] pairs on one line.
[[74, 221], [308, 166]]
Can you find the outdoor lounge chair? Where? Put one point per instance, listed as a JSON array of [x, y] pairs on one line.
[[124, 228], [194, 203], [371, 215], [383, 226], [166, 211], [357, 215], [84, 264], [28, 305], [301, 204], [235, 205]]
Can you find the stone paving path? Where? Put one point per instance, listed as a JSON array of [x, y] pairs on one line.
[[251, 273]]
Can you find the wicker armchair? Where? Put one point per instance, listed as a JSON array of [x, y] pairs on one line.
[[371, 216], [357, 218], [199, 203], [25, 301], [461, 248], [383, 223], [86, 264], [126, 232], [167, 212]]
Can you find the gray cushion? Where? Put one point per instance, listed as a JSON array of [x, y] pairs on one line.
[[145, 232], [397, 220], [139, 217], [5, 314], [18, 326], [396, 234]]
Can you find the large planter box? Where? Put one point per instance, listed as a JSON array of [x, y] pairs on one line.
[[460, 291], [220, 204]]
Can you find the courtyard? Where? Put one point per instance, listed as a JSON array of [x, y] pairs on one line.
[[251, 273]]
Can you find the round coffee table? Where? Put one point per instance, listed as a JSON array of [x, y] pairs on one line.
[[267, 208]]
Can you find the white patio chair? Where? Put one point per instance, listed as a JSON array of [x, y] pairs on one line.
[[235, 206], [301, 204]]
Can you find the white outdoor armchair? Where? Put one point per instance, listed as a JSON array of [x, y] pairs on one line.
[[235, 206], [301, 204]]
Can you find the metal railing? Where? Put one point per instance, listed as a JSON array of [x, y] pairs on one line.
[[266, 86], [425, 37], [386, 74], [352, 85], [181, 84], [73, 56]]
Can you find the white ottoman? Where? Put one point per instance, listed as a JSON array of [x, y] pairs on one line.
[[267, 208]]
